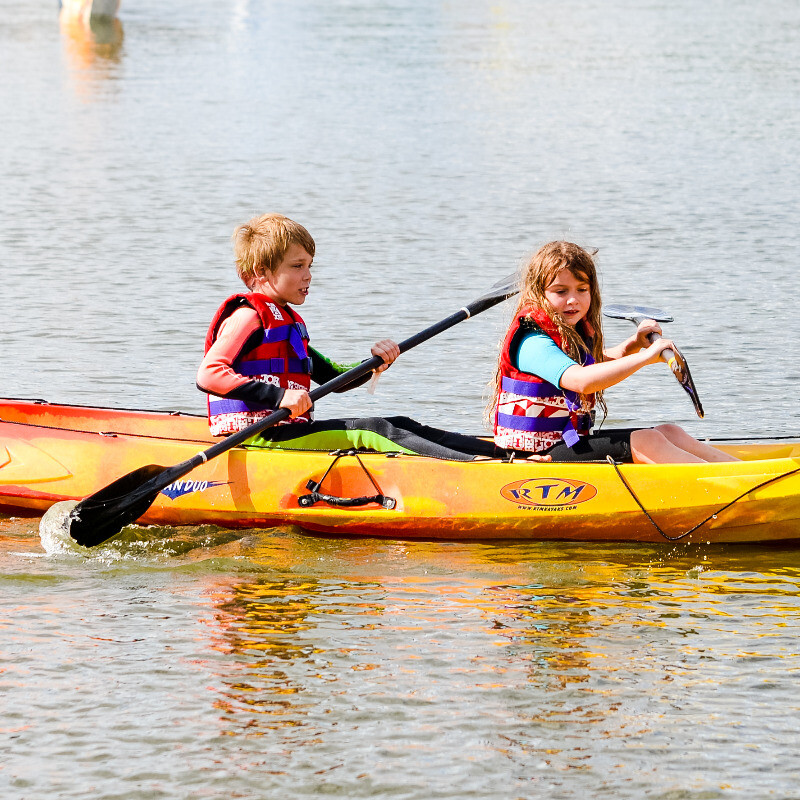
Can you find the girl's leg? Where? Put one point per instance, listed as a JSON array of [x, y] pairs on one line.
[[650, 446], [670, 444], [678, 436]]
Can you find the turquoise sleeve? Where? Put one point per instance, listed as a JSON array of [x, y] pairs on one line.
[[539, 355]]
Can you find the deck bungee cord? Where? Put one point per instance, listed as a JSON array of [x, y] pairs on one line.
[[714, 515], [316, 495]]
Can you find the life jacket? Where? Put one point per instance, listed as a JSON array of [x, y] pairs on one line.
[[532, 414], [280, 358]]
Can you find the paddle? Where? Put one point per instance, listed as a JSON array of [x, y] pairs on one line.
[[676, 361], [104, 514]]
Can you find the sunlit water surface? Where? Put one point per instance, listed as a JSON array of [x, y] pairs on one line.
[[429, 148], [202, 663]]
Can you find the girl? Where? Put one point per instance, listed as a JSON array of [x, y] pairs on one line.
[[553, 370], [257, 358]]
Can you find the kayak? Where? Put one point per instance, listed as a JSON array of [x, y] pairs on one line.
[[51, 453]]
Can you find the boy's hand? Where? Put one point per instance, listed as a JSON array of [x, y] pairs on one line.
[[297, 401], [387, 350]]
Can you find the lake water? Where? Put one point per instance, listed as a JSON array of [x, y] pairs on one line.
[[429, 147]]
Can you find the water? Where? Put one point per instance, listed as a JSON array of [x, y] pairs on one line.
[[429, 148]]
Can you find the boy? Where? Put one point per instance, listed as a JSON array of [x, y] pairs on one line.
[[257, 357]]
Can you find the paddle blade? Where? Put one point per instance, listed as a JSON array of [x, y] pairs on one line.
[[680, 369], [635, 313], [502, 290], [105, 513]]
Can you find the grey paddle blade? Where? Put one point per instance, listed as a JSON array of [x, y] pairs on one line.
[[504, 288], [638, 313]]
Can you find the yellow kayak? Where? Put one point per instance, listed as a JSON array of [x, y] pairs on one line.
[[50, 453]]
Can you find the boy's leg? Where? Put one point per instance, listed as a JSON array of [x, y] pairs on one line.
[[413, 432], [327, 435], [384, 435]]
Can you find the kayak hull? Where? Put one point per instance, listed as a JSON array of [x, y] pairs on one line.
[[50, 453]]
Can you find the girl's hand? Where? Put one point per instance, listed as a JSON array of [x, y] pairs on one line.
[[654, 351], [297, 401], [387, 350], [646, 327]]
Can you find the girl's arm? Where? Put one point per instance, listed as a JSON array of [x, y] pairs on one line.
[[596, 377], [636, 342]]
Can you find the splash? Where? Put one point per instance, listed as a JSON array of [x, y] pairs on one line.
[[136, 544], [54, 530]]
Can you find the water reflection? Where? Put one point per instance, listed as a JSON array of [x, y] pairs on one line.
[[260, 627], [530, 650], [395, 614], [93, 41]]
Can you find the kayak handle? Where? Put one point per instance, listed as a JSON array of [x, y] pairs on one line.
[[308, 500]]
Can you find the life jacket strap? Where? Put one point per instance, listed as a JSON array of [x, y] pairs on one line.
[[275, 366]]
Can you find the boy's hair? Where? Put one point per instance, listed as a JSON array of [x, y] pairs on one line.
[[261, 244]]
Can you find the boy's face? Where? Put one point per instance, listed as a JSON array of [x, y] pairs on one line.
[[290, 281]]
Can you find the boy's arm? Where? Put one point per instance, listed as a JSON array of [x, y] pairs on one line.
[[324, 370], [216, 374]]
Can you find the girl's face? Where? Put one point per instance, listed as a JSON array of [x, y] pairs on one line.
[[569, 296], [290, 281]]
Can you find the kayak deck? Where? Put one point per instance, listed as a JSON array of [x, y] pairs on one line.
[[50, 453]]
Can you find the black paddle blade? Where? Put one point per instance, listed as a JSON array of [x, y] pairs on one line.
[[105, 513], [502, 290]]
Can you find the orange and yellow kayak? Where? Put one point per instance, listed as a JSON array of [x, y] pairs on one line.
[[50, 453]]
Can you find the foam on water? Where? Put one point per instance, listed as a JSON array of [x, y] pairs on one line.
[[54, 530], [135, 544]]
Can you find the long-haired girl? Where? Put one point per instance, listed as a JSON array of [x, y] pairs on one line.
[[554, 367]]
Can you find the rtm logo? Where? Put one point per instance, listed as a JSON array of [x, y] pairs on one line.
[[548, 492], [179, 488]]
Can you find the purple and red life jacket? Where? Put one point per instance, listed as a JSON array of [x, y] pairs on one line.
[[280, 358], [531, 414]]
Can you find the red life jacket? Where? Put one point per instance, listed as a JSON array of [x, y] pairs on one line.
[[280, 358], [531, 414]]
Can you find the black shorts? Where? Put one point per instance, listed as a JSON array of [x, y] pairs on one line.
[[615, 442]]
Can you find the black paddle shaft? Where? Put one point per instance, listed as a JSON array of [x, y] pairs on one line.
[[341, 381], [103, 514]]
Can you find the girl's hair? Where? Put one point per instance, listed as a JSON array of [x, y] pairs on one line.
[[537, 275], [261, 244]]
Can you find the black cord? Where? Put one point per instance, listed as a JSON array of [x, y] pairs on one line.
[[710, 516]]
